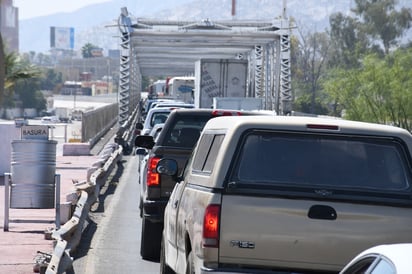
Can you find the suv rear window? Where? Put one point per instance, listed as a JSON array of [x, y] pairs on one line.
[[328, 161], [159, 118], [185, 131]]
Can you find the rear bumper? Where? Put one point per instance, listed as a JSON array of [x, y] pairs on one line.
[[154, 210]]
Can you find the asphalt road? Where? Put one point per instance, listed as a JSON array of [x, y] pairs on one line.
[[111, 242]]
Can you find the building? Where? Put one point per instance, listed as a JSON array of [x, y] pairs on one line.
[[9, 25], [88, 69]]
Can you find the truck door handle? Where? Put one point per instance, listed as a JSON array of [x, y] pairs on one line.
[[322, 212]]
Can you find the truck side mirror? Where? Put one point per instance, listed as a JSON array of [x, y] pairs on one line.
[[145, 141]]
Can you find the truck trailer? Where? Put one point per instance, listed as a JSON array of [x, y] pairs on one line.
[[219, 78]]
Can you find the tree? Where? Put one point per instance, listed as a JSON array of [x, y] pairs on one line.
[[15, 70], [380, 91], [348, 44], [2, 69], [380, 20], [87, 50], [29, 94], [51, 79], [309, 56]]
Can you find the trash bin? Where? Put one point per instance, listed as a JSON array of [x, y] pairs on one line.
[[33, 168]]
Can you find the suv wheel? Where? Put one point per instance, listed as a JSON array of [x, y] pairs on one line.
[[150, 240]]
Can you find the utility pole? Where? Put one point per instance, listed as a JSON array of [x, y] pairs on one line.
[[233, 8]]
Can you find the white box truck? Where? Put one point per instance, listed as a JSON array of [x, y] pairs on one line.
[[238, 103], [219, 78], [181, 88]]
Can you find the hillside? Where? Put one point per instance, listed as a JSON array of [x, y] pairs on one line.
[[95, 24]]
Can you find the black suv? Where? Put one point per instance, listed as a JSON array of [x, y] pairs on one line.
[[176, 141]]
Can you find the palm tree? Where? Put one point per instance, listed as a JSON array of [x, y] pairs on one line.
[[2, 69], [13, 69], [87, 50]]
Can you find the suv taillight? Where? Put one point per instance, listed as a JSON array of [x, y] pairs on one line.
[[153, 178], [211, 223]]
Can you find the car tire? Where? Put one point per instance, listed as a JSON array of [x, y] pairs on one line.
[[190, 267], [150, 240], [141, 208], [164, 268]]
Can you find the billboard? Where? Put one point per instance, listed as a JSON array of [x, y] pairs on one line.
[[61, 38]]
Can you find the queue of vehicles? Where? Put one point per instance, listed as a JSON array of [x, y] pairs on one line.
[[268, 194], [290, 194]]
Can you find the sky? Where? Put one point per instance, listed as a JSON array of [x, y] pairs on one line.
[[34, 8]]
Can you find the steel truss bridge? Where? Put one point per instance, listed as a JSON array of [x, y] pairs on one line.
[[152, 47]]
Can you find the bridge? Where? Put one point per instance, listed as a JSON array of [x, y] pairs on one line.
[[151, 47]]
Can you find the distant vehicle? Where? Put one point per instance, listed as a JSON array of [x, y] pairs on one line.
[[283, 193], [155, 116], [382, 259], [50, 119], [173, 104], [181, 88], [158, 88], [19, 122], [143, 155], [148, 104], [219, 78], [64, 114]]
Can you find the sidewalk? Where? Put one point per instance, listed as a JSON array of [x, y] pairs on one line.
[[20, 244]]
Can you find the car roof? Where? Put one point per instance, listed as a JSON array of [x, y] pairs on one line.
[[173, 104], [399, 254], [309, 124], [218, 112], [161, 109]]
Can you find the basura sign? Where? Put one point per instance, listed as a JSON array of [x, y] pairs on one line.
[[35, 132]]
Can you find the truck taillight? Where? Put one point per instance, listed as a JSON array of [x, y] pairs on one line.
[[226, 113], [319, 126], [153, 178], [211, 223]]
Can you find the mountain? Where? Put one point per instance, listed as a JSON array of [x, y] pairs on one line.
[[89, 23], [97, 23]]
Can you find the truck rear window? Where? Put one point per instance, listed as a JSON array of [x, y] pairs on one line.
[[331, 161]]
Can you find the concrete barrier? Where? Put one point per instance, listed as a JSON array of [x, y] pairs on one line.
[[68, 236], [76, 149]]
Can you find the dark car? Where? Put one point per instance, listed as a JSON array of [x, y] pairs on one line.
[[176, 141]]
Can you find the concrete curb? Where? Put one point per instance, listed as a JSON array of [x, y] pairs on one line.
[[68, 236]]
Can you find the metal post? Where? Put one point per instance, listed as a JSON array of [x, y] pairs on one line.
[[259, 72], [57, 194], [125, 68], [7, 177], [268, 93], [65, 133], [285, 81]]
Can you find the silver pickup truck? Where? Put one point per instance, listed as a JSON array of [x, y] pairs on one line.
[[293, 194]]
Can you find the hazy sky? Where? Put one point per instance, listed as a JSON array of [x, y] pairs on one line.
[[34, 8]]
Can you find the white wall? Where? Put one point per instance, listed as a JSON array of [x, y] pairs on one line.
[[8, 133]]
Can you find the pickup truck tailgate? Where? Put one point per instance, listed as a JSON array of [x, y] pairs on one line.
[[257, 231]]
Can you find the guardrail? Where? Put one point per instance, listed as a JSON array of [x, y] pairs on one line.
[[68, 236]]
